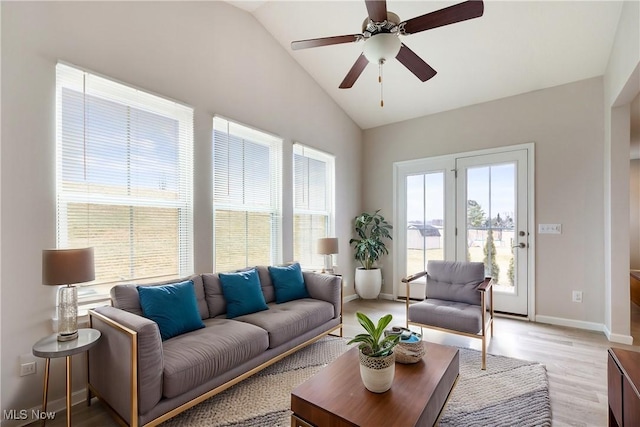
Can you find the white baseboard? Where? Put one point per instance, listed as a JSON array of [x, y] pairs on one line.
[[590, 326], [618, 338], [350, 298], [355, 297], [56, 407], [579, 324]]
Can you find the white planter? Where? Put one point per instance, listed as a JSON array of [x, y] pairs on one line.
[[368, 283], [377, 372]]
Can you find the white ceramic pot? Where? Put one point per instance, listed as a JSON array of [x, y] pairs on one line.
[[377, 372], [368, 283]]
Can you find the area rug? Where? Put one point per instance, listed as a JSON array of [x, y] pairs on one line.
[[510, 392]]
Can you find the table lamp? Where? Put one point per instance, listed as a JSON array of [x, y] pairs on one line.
[[328, 246], [67, 267]]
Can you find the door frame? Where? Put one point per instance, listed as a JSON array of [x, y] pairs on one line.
[[403, 168]]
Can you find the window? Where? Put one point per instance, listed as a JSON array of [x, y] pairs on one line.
[[247, 182], [313, 187], [124, 177]]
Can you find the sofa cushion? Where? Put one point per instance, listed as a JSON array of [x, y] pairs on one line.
[[290, 319], [173, 307], [455, 281], [242, 293], [265, 282], [194, 358], [288, 282], [213, 294], [448, 315], [126, 297]]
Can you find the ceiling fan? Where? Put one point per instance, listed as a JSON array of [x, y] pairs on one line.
[[381, 31]]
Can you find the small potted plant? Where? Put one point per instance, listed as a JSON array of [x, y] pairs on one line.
[[369, 246], [377, 359]]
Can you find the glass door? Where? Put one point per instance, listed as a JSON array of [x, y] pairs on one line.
[[429, 226], [470, 206], [492, 223]]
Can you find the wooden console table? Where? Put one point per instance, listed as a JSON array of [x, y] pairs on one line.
[[623, 380], [634, 283]]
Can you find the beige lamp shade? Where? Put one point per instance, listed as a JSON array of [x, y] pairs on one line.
[[328, 245], [67, 266]]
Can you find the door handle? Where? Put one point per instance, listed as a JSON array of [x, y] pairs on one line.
[[520, 245]]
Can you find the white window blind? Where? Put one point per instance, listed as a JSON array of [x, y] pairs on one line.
[[313, 212], [247, 182], [124, 177]]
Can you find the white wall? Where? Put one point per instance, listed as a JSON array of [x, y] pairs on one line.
[[209, 55], [621, 86], [566, 125]]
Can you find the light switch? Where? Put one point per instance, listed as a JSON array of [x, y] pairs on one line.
[[549, 228]]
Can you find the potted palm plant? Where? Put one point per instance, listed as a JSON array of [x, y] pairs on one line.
[[369, 246], [377, 359]]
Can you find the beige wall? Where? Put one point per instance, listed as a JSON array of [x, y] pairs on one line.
[[210, 55], [634, 227], [566, 125]]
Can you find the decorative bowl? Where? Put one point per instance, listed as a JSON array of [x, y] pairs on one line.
[[410, 350]]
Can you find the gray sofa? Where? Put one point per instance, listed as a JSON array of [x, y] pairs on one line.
[[145, 380]]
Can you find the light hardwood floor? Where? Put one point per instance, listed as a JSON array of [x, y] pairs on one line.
[[576, 362]]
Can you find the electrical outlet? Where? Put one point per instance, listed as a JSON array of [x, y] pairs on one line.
[[28, 368], [549, 228], [577, 296]]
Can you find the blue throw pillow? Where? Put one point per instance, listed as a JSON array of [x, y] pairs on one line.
[[173, 307], [288, 283], [243, 293]]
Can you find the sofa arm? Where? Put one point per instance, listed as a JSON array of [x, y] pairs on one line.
[[126, 365], [326, 287]]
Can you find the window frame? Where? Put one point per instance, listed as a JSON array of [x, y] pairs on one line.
[[251, 135], [299, 149], [88, 83]]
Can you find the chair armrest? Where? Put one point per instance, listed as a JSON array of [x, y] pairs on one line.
[[126, 365], [326, 287], [414, 277], [486, 284]]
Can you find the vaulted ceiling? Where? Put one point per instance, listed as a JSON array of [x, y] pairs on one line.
[[515, 47]]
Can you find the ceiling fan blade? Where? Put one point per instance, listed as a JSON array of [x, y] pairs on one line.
[[325, 41], [377, 10], [449, 15], [415, 64], [354, 72]]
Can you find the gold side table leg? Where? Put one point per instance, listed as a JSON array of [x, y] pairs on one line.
[[68, 391], [89, 396], [45, 389]]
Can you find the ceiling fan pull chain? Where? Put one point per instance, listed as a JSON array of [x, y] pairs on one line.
[[380, 80]]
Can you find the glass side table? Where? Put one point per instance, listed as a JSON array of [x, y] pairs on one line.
[[49, 348]]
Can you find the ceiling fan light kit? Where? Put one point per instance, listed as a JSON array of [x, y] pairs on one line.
[[381, 33], [381, 47]]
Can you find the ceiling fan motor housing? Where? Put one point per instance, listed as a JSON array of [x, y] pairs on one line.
[[390, 25]]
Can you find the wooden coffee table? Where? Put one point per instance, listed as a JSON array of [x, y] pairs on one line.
[[336, 397]]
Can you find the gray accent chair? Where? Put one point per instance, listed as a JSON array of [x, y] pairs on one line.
[[456, 300]]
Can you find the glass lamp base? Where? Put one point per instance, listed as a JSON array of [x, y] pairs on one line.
[[328, 264], [68, 337], [67, 313]]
